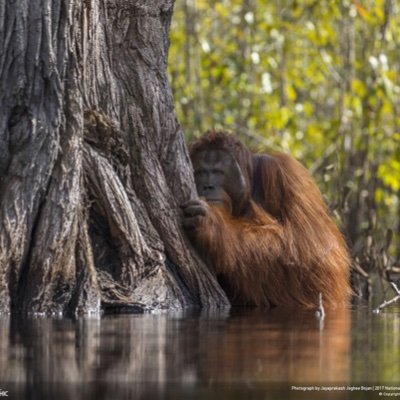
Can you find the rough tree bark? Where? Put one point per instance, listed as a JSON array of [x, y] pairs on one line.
[[93, 165]]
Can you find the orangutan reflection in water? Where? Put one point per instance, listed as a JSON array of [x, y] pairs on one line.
[[280, 346]]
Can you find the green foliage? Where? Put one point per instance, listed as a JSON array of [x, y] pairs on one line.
[[319, 79]]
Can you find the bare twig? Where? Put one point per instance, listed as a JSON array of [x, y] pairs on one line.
[[319, 163], [326, 60], [391, 301], [394, 269], [396, 289], [357, 267], [320, 312]]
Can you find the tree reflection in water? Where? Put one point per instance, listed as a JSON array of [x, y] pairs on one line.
[[184, 355]]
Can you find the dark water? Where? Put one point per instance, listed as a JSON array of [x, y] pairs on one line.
[[236, 354]]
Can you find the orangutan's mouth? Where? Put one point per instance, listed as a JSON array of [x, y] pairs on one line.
[[214, 201]]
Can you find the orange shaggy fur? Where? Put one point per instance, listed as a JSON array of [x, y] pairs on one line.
[[284, 249]]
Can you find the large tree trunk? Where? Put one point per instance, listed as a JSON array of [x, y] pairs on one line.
[[93, 165]]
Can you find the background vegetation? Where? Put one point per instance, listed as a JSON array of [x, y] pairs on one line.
[[316, 78]]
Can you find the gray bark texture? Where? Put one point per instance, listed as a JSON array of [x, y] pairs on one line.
[[93, 164]]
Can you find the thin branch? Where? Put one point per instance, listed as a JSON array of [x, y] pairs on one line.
[[396, 289], [320, 312], [334, 73], [318, 164], [388, 302]]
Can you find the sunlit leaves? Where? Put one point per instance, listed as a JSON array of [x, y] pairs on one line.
[[390, 173], [302, 75]]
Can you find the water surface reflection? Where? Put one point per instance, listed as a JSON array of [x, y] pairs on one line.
[[241, 353]]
